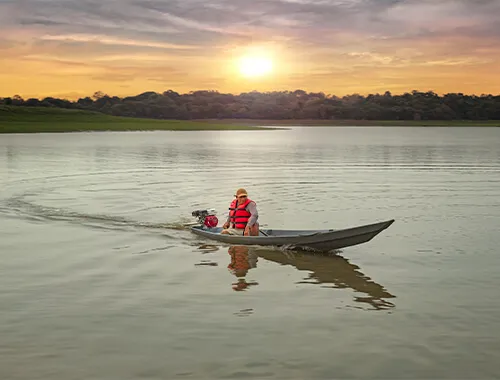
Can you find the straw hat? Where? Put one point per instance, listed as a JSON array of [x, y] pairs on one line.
[[241, 192]]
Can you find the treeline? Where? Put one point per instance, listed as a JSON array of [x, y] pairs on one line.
[[279, 105]]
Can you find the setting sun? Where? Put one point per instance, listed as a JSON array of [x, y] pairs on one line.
[[255, 66]]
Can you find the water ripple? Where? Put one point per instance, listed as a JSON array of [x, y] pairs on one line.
[[98, 265]]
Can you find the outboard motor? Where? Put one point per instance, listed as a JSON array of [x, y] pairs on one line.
[[206, 217]]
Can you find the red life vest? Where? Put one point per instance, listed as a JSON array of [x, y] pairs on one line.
[[239, 215]]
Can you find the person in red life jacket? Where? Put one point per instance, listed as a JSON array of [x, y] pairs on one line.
[[243, 215]]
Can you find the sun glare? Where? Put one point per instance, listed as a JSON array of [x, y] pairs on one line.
[[255, 66]]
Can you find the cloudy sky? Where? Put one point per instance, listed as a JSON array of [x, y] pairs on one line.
[[72, 48]]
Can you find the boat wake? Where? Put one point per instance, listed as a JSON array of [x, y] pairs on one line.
[[18, 207]]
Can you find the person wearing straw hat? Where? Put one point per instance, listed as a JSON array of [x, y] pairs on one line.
[[243, 216]]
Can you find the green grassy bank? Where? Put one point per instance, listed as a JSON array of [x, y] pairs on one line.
[[333, 123], [44, 120], [41, 119]]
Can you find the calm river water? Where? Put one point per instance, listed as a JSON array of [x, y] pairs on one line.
[[99, 280]]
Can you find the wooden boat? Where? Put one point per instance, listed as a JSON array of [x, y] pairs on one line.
[[318, 240]]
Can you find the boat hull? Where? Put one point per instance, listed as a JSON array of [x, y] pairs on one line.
[[318, 240]]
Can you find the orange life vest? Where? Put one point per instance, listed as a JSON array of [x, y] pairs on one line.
[[239, 264], [239, 215]]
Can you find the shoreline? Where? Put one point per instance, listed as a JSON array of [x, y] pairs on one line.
[[21, 120], [151, 125], [76, 127], [354, 123]]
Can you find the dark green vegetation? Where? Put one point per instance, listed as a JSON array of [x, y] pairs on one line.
[[419, 107], [359, 123], [39, 119]]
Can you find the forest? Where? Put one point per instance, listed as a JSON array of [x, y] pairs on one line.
[[281, 105]]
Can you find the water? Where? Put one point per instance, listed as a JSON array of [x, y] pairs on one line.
[[99, 279]]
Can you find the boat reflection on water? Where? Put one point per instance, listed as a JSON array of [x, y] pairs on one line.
[[329, 271], [335, 270]]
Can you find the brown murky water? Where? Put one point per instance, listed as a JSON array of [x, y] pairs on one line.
[[99, 280]]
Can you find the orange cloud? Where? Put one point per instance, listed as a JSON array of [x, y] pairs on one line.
[[339, 47]]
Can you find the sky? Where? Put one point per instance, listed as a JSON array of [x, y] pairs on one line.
[[73, 48]]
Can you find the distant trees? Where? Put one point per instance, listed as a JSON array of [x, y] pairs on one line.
[[279, 105]]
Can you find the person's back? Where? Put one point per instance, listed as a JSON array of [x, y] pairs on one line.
[[243, 216]]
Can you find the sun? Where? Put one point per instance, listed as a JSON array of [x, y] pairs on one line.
[[255, 66]]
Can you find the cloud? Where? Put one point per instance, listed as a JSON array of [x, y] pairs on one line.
[[196, 37], [198, 22], [103, 39]]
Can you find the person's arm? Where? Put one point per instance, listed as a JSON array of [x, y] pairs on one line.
[[252, 208], [228, 221]]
